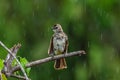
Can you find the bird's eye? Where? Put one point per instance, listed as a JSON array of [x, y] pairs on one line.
[[55, 27]]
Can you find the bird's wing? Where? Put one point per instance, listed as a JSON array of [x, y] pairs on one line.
[[66, 45], [50, 50]]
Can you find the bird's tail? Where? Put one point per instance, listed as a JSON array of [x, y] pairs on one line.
[[60, 64]]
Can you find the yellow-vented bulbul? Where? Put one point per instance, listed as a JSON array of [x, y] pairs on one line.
[[58, 45]]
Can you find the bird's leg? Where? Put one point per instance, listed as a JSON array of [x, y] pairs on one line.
[[51, 55]]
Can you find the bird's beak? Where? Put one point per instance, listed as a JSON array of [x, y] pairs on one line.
[[53, 28]]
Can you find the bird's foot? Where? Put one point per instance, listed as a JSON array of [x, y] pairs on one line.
[[51, 55]]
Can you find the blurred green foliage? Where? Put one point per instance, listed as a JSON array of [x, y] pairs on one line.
[[91, 25]]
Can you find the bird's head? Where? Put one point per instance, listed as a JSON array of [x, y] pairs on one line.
[[57, 28]]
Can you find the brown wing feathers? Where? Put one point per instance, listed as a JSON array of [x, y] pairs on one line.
[[50, 50]]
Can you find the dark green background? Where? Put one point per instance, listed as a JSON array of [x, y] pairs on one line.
[[91, 25]]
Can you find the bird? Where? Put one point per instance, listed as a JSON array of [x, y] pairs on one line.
[[58, 45]]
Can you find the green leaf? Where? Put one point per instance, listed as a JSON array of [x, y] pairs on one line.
[[1, 64], [3, 77], [14, 63], [28, 71], [24, 61]]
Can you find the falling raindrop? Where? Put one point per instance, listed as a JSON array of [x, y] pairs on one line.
[[33, 14], [107, 15], [49, 9], [37, 6], [24, 34], [48, 29], [101, 36], [13, 15], [117, 70], [23, 22], [58, 77], [84, 64], [100, 11], [88, 44]]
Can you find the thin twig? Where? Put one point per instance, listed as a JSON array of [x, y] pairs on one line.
[[9, 59], [41, 61], [17, 76], [20, 66]]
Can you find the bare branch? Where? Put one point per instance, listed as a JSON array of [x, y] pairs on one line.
[[13, 52], [22, 69], [41, 61], [8, 61]]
